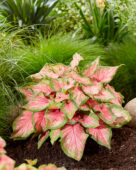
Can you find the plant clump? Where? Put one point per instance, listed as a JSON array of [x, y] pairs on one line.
[[65, 103]]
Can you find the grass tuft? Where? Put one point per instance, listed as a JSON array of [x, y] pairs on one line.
[[124, 53]]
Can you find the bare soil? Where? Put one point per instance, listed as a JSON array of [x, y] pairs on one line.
[[122, 156]]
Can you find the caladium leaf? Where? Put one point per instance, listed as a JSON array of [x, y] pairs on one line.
[[42, 138], [40, 87], [31, 162], [81, 79], [22, 126], [92, 68], [106, 114], [105, 74], [26, 92], [90, 121], [39, 121], [60, 96], [74, 120], [55, 119], [54, 105], [76, 59], [6, 163], [93, 104], [50, 167], [69, 109], [38, 103], [84, 107], [93, 89], [104, 96], [119, 98], [122, 116], [77, 96], [25, 167], [2, 145], [73, 141], [101, 134], [54, 135], [51, 71], [62, 83]]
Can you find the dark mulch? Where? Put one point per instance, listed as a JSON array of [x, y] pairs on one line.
[[122, 156]]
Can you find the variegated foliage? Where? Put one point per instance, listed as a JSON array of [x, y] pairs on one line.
[[64, 103]]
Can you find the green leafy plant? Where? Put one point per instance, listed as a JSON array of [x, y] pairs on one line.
[[66, 11], [125, 10], [104, 26], [6, 163], [28, 13], [124, 53], [64, 103]]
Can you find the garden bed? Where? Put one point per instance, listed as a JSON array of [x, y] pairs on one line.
[[122, 156]]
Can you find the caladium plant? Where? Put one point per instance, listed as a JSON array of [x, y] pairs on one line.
[[65, 103], [6, 163]]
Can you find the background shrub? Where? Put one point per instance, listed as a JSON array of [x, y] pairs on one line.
[[104, 26], [124, 53], [28, 13], [126, 10]]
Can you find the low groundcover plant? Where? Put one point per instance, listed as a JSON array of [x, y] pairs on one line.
[[65, 103], [6, 163]]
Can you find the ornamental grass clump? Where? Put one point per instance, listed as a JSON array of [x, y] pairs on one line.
[[65, 103]]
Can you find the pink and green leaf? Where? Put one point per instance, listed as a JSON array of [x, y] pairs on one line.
[[69, 109], [76, 59], [39, 121], [62, 84], [38, 103], [55, 119], [50, 167], [22, 126], [31, 162], [60, 96], [81, 79], [93, 89], [54, 135], [2, 145], [84, 107], [78, 97], [93, 104], [74, 120], [91, 68], [41, 87], [6, 163], [90, 121], [25, 167], [101, 134], [105, 74], [26, 92], [106, 114], [104, 96], [54, 105], [122, 116], [51, 71], [73, 141], [119, 98], [42, 138]]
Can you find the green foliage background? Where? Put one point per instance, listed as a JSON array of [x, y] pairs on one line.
[[124, 53]]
